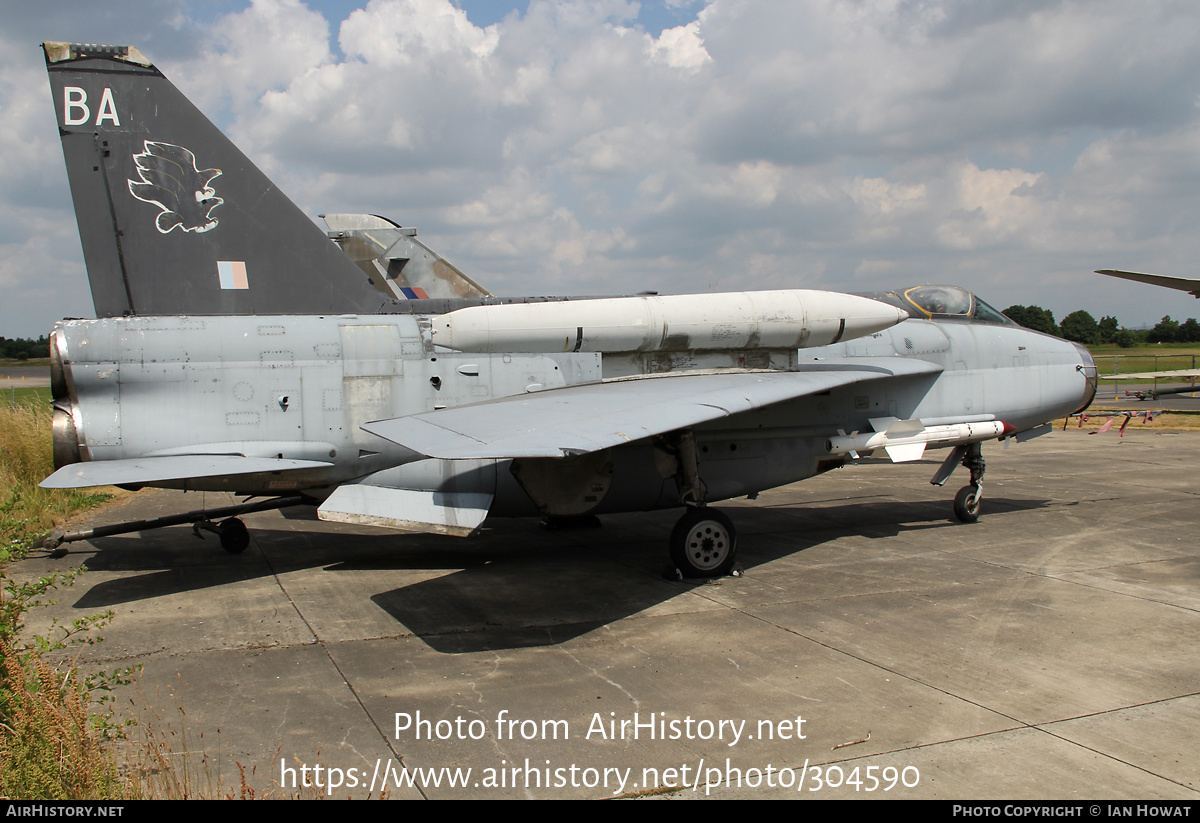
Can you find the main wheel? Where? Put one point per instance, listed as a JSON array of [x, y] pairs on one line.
[[235, 537], [966, 504], [703, 543]]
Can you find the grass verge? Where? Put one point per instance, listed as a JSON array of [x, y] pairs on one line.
[[1164, 357], [58, 740], [26, 458], [53, 742]]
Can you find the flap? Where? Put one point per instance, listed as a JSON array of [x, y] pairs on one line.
[[455, 513], [589, 417]]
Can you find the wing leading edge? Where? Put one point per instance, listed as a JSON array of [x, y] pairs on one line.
[[593, 416], [1187, 284]]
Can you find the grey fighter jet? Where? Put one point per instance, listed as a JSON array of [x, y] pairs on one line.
[[436, 421]]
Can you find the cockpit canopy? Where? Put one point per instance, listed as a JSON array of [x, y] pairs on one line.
[[943, 303]]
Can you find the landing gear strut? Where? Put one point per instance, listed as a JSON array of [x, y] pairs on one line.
[[704, 541], [966, 502]]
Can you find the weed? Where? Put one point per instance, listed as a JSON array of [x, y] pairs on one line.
[[50, 747]]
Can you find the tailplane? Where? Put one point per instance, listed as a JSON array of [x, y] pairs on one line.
[[174, 219]]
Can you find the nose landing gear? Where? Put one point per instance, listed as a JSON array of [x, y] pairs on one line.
[[966, 502]]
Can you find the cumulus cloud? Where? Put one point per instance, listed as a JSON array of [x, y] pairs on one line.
[[408, 33], [681, 47], [1008, 146], [246, 53]]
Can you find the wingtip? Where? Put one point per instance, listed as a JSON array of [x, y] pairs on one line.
[[59, 51]]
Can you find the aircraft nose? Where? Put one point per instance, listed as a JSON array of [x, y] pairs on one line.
[[1087, 368]]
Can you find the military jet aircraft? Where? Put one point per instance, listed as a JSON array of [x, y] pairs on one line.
[[435, 421]]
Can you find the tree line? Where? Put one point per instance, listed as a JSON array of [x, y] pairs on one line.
[[24, 348], [1081, 327]]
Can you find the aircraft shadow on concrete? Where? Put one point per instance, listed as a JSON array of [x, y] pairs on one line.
[[516, 584]]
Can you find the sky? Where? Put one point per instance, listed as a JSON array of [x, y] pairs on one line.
[[608, 147]]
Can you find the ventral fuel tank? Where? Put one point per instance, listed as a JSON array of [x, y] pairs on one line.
[[783, 319]]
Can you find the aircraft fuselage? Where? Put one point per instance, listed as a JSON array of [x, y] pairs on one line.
[[300, 388]]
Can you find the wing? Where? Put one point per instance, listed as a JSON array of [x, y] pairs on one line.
[[593, 416], [1182, 283], [1177, 374], [142, 470]]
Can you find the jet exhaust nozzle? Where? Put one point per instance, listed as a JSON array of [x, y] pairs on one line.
[[66, 436]]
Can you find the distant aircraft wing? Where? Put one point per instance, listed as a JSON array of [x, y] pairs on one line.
[[1189, 285], [139, 470], [1177, 374], [593, 416]]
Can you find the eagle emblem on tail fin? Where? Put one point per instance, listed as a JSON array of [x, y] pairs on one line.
[[169, 178]]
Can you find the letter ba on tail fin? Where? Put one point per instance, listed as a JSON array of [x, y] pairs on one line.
[[174, 219]]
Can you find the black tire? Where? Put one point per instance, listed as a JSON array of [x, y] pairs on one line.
[[966, 504], [704, 543], [235, 537]]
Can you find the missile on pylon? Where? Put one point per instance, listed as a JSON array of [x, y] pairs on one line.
[[782, 319], [906, 440]]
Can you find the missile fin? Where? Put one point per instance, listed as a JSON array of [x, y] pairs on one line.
[[906, 453]]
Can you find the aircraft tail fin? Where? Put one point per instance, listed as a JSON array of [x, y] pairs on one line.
[[173, 218]]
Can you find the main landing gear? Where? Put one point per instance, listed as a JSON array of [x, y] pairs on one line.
[[703, 543], [966, 502]]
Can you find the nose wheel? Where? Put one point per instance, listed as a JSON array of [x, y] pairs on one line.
[[966, 503], [703, 543]]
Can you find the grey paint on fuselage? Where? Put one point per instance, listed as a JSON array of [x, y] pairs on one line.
[[301, 387]]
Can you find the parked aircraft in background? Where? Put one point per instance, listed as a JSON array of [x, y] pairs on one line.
[[1156, 391], [396, 262], [310, 389], [1190, 285]]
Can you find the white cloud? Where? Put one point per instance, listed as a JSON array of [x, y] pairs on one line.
[[877, 196], [681, 47], [391, 34], [847, 144], [265, 46], [993, 206]]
